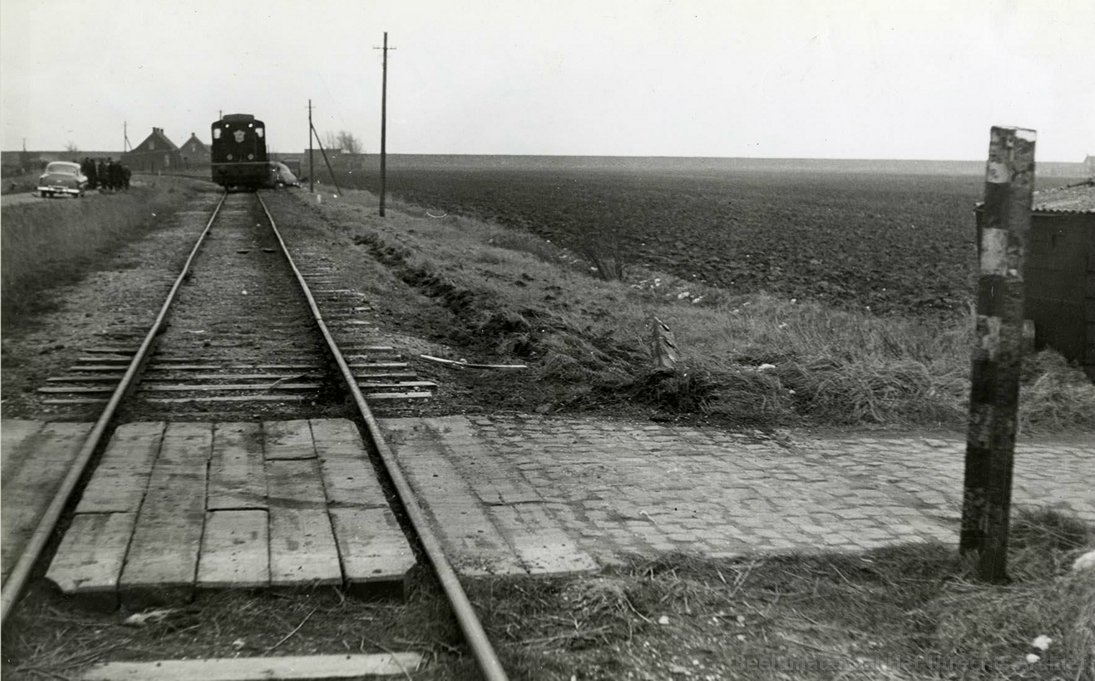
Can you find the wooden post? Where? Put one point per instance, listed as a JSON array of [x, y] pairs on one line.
[[997, 352], [311, 161], [384, 127]]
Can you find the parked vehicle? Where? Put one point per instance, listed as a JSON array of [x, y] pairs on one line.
[[64, 178], [282, 175]]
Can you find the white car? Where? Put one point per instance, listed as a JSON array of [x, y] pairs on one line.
[[62, 177]]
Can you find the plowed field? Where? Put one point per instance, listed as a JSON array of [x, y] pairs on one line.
[[891, 243]]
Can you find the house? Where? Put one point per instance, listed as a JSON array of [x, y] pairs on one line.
[[195, 153], [1089, 165], [1059, 272], [155, 154]]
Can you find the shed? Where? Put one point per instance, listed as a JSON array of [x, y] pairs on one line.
[[195, 153], [1060, 272], [155, 154]]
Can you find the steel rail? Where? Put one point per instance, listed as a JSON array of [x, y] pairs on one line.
[[489, 664], [17, 579]]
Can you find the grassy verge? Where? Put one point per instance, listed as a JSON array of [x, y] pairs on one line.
[[53, 243], [755, 359], [907, 612]]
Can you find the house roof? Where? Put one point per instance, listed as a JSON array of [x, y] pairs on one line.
[[1076, 198], [195, 143], [157, 141]]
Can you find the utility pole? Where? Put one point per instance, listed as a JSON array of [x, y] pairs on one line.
[[997, 352], [384, 126], [311, 162]]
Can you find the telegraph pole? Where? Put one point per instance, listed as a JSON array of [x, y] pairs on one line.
[[998, 351], [384, 126], [311, 162]]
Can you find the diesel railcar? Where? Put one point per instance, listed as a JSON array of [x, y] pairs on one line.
[[239, 152]]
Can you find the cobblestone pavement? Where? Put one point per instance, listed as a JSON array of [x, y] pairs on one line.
[[620, 487]]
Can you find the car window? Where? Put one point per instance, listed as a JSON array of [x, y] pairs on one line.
[[65, 168]]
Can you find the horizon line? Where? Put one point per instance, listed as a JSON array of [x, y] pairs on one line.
[[607, 156]]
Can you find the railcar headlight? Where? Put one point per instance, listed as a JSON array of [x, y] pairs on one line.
[[250, 157]]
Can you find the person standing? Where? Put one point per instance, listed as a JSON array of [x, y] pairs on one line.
[[104, 174], [88, 169]]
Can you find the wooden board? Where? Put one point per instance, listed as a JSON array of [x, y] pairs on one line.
[[235, 550], [202, 387], [163, 555], [288, 439], [302, 544], [302, 548], [337, 438], [121, 478], [351, 482], [299, 668], [237, 473], [32, 483], [371, 546], [398, 396], [541, 544], [470, 537], [185, 442], [90, 557], [12, 433], [212, 398], [294, 483]]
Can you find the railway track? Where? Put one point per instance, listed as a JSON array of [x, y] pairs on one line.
[[273, 352]]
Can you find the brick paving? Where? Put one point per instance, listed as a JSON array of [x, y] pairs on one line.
[[616, 487]]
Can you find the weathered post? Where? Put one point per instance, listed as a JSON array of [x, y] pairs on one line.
[[997, 351], [311, 161], [384, 127]]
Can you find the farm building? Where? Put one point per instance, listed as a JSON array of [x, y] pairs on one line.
[[155, 154], [1060, 272], [195, 153]]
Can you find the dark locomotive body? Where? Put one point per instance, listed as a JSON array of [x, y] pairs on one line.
[[239, 152]]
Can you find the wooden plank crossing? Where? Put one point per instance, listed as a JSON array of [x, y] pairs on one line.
[[163, 554], [237, 477], [92, 553], [249, 397], [121, 478], [372, 547], [33, 469], [289, 439], [235, 550], [285, 668], [178, 507]]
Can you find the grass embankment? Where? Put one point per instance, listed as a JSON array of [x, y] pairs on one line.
[[753, 359], [56, 242], [898, 613]]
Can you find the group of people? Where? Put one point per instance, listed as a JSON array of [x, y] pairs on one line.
[[109, 174]]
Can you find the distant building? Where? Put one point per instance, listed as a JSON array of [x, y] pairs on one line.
[[155, 154], [1057, 276], [1089, 165], [195, 153]]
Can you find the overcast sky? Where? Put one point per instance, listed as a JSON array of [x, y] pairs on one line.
[[918, 79]]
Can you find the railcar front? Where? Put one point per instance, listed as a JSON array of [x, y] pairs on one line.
[[239, 152]]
